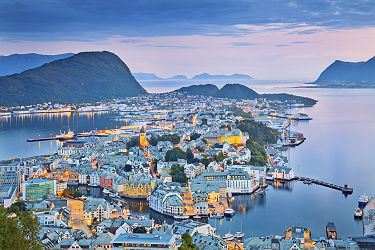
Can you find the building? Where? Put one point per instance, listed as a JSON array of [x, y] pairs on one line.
[[142, 138], [201, 208], [166, 199], [239, 182], [10, 174], [280, 173], [233, 137], [144, 241], [8, 194], [38, 189], [96, 209], [54, 218]]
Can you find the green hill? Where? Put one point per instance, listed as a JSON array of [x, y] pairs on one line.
[[83, 77]]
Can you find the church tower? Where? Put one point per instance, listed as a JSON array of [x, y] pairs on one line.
[[142, 138]]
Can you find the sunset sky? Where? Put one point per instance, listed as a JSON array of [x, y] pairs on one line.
[[271, 40]]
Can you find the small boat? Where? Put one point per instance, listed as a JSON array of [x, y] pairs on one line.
[[331, 231], [229, 212], [197, 217], [239, 235], [358, 213], [181, 217], [363, 200], [228, 237], [218, 216], [106, 191]]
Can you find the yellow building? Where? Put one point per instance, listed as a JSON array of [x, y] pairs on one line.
[[138, 188], [142, 138], [233, 137]]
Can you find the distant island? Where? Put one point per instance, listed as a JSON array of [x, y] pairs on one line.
[[146, 76], [239, 91], [203, 76], [348, 75], [18, 63], [206, 76], [83, 77]]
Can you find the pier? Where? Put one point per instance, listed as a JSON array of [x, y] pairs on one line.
[[344, 189]]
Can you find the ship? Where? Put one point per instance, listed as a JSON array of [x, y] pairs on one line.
[[229, 212], [68, 136], [331, 231], [363, 200]]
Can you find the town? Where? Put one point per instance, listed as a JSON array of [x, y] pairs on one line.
[[184, 157]]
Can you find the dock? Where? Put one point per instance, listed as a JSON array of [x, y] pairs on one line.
[[59, 138], [344, 189]]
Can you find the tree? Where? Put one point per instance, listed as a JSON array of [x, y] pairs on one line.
[[76, 194], [219, 157], [132, 143], [173, 138], [258, 153], [174, 154], [187, 243], [66, 192], [206, 161], [178, 174], [139, 230], [200, 149], [190, 156], [195, 136], [20, 205], [18, 230]]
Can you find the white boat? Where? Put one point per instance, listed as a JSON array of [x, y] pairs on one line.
[[229, 212], [228, 237], [218, 216], [239, 235], [358, 213]]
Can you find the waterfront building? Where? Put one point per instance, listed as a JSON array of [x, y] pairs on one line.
[[201, 208], [280, 173], [106, 180], [144, 241], [134, 187], [299, 233], [166, 199], [98, 209], [38, 189], [239, 182]]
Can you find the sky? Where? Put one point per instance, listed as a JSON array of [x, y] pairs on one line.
[[267, 39]]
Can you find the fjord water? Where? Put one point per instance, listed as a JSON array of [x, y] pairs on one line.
[[340, 149]]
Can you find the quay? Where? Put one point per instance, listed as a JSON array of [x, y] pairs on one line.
[[344, 189], [59, 138]]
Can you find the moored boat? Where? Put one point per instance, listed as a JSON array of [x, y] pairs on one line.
[[358, 213], [363, 200], [229, 212], [239, 235], [218, 216], [228, 237]]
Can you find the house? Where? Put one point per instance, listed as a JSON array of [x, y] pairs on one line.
[[96, 209], [280, 173], [201, 208]]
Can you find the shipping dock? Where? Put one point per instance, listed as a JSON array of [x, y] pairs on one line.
[[344, 189]]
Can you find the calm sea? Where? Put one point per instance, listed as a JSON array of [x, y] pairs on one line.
[[339, 149]]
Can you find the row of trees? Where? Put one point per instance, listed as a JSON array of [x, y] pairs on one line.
[[178, 174], [174, 139], [19, 228]]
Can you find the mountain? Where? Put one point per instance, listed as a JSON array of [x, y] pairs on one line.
[[206, 76], [348, 73], [146, 76], [178, 77], [202, 89], [18, 63], [239, 91], [83, 77]]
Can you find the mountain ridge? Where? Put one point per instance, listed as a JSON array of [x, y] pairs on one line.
[[17, 63], [83, 77], [342, 73]]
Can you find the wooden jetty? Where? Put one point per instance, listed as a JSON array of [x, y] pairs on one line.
[[344, 189]]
